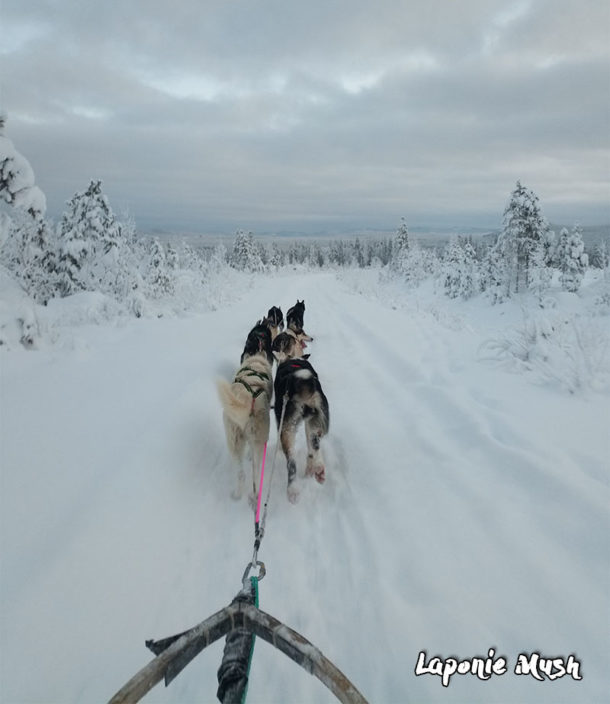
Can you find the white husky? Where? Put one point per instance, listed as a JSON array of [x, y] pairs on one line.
[[246, 405]]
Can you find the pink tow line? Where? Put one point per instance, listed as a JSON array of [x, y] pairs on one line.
[[260, 489]]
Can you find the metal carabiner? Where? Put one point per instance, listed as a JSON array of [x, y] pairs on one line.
[[261, 571]]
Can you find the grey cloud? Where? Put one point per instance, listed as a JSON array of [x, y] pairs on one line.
[[269, 112]]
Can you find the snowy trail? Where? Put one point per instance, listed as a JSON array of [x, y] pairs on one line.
[[448, 522]]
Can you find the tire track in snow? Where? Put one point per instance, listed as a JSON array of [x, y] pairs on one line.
[[474, 454]]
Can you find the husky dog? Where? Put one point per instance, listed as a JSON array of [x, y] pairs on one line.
[[246, 405], [258, 342], [290, 344], [299, 397], [294, 316], [274, 321]]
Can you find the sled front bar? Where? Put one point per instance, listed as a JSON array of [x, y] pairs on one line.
[[238, 615]]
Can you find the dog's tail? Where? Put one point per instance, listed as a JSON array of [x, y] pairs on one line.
[[236, 402]]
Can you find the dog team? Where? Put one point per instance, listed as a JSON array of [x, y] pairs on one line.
[[298, 395]]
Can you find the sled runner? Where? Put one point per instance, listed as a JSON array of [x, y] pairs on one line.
[[240, 621]]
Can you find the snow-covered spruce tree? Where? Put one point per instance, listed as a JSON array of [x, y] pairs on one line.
[[30, 253], [276, 259], [245, 255], [458, 270], [172, 258], [571, 258], [600, 255], [411, 262], [29, 250], [400, 248], [493, 275], [93, 250], [17, 186], [157, 275], [524, 230]]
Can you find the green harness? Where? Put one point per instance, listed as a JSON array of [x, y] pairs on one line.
[[251, 372]]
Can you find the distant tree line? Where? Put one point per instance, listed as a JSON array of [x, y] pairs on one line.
[[524, 256], [91, 249]]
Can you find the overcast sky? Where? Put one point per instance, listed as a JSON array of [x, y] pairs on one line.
[[322, 115]]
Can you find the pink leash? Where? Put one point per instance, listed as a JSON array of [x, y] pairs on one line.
[[259, 529], [260, 489]]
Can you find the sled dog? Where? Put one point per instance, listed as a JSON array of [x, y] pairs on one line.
[[275, 321], [246, 406], [294, 316], [290, 344], [299, 394]]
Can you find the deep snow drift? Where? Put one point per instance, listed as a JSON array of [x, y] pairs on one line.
[[465, 507]]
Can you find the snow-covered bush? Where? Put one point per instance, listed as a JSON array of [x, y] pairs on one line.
[[570, 351], [18, 320]]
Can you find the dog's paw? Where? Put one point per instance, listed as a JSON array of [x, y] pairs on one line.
[[315, 470], [293, 493]]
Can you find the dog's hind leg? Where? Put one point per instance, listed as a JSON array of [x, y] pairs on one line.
[[257, 463], [259, 434], [287, 439], [315, 463], [236, 442]]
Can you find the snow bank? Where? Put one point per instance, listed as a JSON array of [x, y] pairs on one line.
[[18, 319]]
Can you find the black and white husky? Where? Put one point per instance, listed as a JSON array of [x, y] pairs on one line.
[[299, 397], [290, 344], [246, 405], [294, 316], [275, 321]]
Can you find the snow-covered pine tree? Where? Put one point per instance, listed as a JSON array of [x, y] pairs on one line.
[[571, 258], [275, 258], [17, 186], [458, 270], [600, 255], [158, 277], [400, 248], [452, 261], [171, 257], [94, 253], [31, 254], [524, 230], [29, 248], [541, 273], [245, 255], [494, 275]]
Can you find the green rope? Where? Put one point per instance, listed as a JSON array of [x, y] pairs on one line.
[[254, 582]]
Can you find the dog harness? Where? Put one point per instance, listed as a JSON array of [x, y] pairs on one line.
[[255, 393]]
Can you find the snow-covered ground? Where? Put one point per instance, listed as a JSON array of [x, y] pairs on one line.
[[465, 507]]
